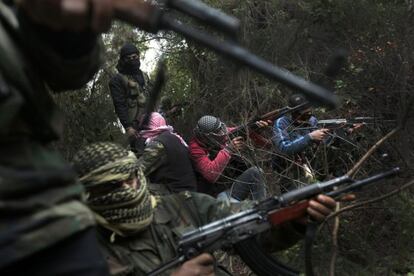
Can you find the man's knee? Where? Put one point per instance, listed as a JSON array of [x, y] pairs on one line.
[[255, 173]]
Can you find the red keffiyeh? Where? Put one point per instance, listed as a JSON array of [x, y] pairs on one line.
[[156, 126]]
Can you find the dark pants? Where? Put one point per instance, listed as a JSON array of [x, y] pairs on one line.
[[78, 255], [250, 182]]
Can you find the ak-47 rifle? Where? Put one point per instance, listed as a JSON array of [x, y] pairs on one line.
[[228, 231], [341, 123], [270, 116], [152, 18]]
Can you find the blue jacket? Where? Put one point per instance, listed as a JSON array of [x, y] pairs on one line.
[[290, 141]]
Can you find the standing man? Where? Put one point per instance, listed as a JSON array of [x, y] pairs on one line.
[[45, 229], [216, 157], [129, 90]]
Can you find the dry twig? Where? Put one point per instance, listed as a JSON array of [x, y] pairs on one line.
[[334, 242], [351, 173]]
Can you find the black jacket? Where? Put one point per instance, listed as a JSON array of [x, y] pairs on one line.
[[177, 173], [119, 94]]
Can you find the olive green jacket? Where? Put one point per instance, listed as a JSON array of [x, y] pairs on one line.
[[39, 195], [174, 215]]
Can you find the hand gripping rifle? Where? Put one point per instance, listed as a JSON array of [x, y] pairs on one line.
[[273, 211], [270, 116], [335, 64], [152, 18]]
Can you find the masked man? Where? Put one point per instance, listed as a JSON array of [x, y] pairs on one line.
[[129, 90], [294, 138], [218, 160], [139, 232], [291, 145]]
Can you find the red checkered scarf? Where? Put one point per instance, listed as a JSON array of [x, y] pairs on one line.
[[156, 126]]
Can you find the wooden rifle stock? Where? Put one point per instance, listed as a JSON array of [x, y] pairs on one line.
[[289, 213], [270, 116], [298, 209], [275, 114]]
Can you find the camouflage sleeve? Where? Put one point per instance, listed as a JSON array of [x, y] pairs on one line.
[[153, 157], [211, 209], [278, 238]]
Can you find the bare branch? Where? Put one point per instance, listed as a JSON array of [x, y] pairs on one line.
[[364, 158], [335, 231]]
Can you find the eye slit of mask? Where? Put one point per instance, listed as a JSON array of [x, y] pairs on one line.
[[103, 189], [131, 179], [132, 57]]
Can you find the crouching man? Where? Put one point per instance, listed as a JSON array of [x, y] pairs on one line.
[[139, 232]]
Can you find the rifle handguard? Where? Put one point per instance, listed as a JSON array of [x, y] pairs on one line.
[[360, 183], [313, 189]]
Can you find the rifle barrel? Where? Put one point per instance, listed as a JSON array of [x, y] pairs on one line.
[[244, 57], [272, 115], [275, 114], [207, 15], [313, 189], [152, 19], [361, 183]]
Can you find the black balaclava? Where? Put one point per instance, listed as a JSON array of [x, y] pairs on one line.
[[306, 113], [130, 67]]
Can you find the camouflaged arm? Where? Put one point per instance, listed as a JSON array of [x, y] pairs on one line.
[[278, 238], [211, 209], [153, 157]]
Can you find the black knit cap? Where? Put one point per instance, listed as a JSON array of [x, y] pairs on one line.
[[128, 49], [96, 155], [296, 99]]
